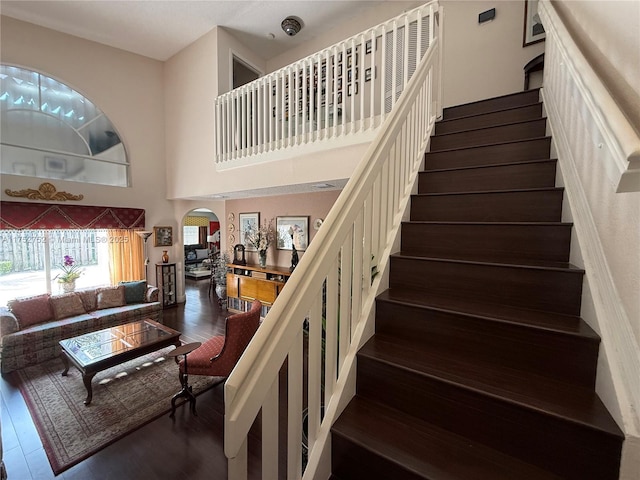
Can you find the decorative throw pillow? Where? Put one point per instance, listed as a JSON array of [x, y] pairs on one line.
[[134, 292], [89, 299], [31, 310], [109, 297], [202, 253], [66, 305], [191, 255]]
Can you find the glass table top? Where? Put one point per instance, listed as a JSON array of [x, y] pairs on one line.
[[97, 346]]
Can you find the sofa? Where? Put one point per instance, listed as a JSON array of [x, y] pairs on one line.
[[195, 254], [30, 328]]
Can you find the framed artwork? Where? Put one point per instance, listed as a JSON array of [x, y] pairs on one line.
[[533, 29], [292, 231], [163, 236], [248, 222]]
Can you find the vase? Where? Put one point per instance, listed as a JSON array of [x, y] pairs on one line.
[[68, 287], [262, 258], [221, 292], [165, 256]]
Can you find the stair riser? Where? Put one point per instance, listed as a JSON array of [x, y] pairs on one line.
[[537, 289], [488, 136], [532, 436], [568, 358], [351, 461], [491, 105], [507, 242], [528, 112], [536, 149], [504, 177], [525, 206]]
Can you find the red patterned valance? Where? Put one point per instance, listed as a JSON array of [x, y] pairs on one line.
[[32, 216]]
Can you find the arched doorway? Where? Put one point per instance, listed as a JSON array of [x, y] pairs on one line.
[[201, 240]]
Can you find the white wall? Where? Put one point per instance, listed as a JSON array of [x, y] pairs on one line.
[[129, 90], [227, 46], [484, 60]]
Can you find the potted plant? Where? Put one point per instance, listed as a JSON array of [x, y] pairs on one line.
[[70, 273]]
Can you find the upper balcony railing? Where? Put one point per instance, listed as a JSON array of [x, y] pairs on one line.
[[339, 94]]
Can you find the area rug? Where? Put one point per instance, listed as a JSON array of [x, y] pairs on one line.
[[125, 398]]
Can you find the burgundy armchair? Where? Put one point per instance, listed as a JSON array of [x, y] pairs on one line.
[[217, 356]]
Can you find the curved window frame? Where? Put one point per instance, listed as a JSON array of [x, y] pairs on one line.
[[52, 131]]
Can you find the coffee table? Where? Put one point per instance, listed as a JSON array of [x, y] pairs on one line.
[[93, 352]]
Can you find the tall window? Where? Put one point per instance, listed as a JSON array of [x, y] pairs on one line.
[[30, 260], [50, 130]]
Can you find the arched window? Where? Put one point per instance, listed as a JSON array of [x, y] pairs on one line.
[[51, 131]]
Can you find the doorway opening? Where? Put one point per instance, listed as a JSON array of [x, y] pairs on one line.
[[243, 73]]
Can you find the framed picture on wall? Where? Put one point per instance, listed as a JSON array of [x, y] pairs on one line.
[[163, 236], [248, 222], [533, 29], [292, 231]]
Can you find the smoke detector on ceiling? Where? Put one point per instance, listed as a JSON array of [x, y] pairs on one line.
[[291, 25]]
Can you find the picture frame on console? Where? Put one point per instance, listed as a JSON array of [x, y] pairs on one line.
[[163, 236], [299, 226], [248, 222]]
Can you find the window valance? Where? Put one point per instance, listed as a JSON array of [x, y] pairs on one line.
[[31, 216]]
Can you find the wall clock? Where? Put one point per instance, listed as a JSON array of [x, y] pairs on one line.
[[317, 223]]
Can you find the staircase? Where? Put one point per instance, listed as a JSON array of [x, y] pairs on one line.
[[481, 367]]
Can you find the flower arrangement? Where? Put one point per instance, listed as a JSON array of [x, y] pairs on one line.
[[261, 238], [70, 270], [220, 268]]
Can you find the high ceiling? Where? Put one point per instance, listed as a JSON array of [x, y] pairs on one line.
[[159, 29]]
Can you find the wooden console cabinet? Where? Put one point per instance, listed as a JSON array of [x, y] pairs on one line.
[[246, 283]]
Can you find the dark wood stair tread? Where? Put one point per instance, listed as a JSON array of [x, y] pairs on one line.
[[490, 165], [497, 110], [491, 127], [550, 321], [481, 192], [528, 263], [420, 447], [471, 148], [577, 405]]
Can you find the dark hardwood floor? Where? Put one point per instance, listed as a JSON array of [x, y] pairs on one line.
[[189, 447]]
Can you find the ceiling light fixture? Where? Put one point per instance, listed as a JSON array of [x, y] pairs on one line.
[[291, 25]]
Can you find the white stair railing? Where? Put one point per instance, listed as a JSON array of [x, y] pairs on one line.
[[340, 94], [332, 291]]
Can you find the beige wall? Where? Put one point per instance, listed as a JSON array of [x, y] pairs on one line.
[[313, 205], [127, 87], [484, 60]]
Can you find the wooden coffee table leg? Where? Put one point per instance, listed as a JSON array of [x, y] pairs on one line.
[[87, 384], [65, 361]]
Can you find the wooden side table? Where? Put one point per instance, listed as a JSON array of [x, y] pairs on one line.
[[186, 391]]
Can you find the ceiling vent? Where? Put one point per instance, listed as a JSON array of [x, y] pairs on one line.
[[291, 26]]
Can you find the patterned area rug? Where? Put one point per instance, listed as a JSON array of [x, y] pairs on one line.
[[125, 398]]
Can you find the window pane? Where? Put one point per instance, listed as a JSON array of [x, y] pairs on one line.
[[22, 264], [190, 235]]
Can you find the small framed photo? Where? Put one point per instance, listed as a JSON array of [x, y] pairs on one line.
[[367, 47], [55, 164], [352, 89], [292, 231], [249, 222], [163, 236], [367, 75], [533, 29]]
